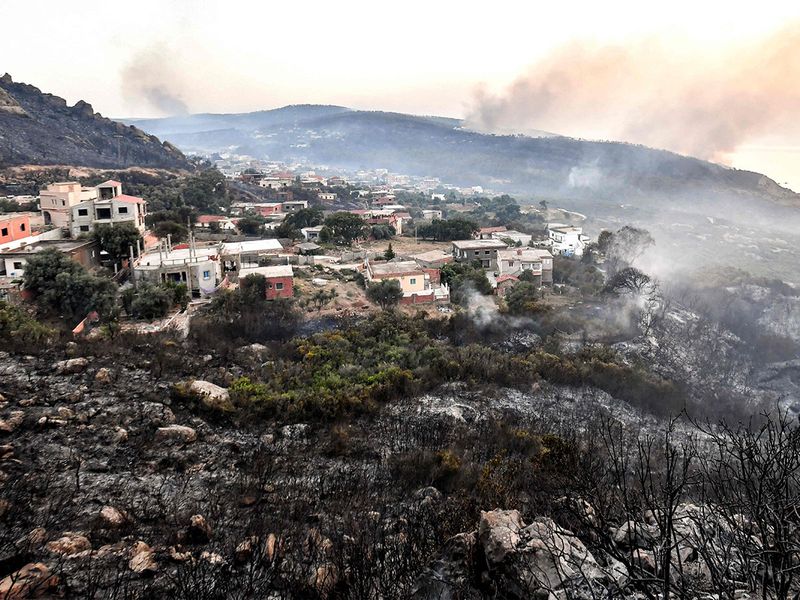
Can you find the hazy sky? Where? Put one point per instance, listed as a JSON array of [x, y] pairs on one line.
[[147, 57]]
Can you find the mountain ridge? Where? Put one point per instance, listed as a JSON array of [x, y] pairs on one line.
[[549, 165], [42, 129]]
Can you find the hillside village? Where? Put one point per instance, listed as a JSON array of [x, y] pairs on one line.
[[338, 231]]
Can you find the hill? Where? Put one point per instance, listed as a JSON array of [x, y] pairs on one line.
[[549, 165], [41, 129]]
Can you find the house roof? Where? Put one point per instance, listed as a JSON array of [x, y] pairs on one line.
[[475, 244], [268, 272], [110, 183], [506, 277], [523, 254], [394, 269], [251, 246], [492, 229], [309, 246]]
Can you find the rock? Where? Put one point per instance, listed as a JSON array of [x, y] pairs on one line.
[[176, 433], [112, 518], [270, 546], [71, 366], [555, 557], [198, 531], [212, 558], [31, 581], [645, 560], [635, 535], [36, 537], [69, 544], [103, 375], [143, 560], [71, 349], [451, 572], [177, 556], [499, 533], [244, 550], [120, 436], [13, 421], [66, 413], [324, 579], [211, 395]]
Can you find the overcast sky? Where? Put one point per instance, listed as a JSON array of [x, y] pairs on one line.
[[149, 57]]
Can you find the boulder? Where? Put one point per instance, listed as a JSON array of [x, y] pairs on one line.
[[324, 579], [14, 420], [103, 375], [69, 544], [143, 560], [632, 534], [176, 433], [554, 557], [112, 518], [499, 533], [71, 366], [244, 550], [31, 581], [211, 395]]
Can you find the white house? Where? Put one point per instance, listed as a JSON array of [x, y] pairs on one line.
[[430, 214], [519, 238], [566, 240]]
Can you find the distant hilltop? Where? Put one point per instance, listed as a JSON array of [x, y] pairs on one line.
[[538, 164], [41, 129]]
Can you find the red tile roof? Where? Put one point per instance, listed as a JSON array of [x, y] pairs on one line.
[[507, 278]]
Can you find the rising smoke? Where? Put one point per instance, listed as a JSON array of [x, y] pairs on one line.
[[656, 93], [151, 78]]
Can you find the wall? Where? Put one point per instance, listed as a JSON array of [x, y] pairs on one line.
[[286, 292], [15, 228]]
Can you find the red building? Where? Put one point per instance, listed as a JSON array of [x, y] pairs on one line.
[[14, 227], [280, 280]]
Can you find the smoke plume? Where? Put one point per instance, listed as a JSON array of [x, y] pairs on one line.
[[654, 92], [150, 77]]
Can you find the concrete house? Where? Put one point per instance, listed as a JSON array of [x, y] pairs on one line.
[[519, 238], [566, 240], [196, 266], [518, 260], [84, 252], [415, 281], [57, 199], [483, 251]]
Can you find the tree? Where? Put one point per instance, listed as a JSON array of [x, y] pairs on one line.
[[604, 241], [389, 254], [463, 279], [305, 217], [521, 298], [442, 230], [628, 279], [41, 269], [382, 232], [386, 293], [321, 298], [177, 231], [543, 204], [251, 225], [152, 301], [61, 285], [117, 240], [345, 227], [625, 246]]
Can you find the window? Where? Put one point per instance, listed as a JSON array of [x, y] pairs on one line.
[[279, 286], [22, 227], [206, 274], [103, 213], [63, 203], [4, 231], [412, 281], [83, 212], [18, 266], [269, 286], [487, 251], [123, 210], [84, 228]]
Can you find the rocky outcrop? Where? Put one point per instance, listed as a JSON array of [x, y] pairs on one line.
[[39, 128], [211, 395]]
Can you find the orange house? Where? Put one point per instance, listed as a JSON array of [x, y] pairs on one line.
[[14, 227]]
